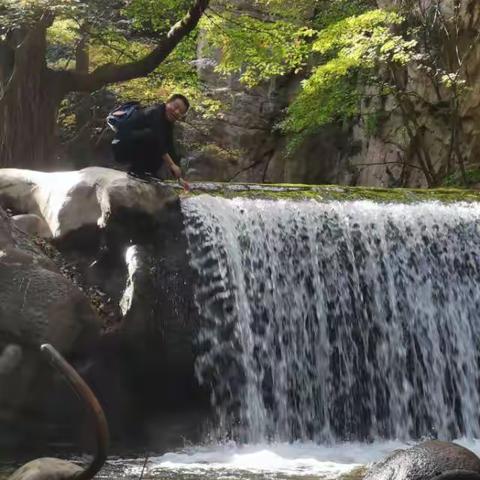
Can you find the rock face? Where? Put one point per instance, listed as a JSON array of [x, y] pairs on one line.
[[238, 144], [374, 150], [37, 304], [442, 122], [426, 461]]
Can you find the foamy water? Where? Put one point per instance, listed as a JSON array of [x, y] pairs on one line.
[[271, 460], [337, 321]]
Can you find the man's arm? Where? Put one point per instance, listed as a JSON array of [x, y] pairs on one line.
[[172, 166], [176, 171]]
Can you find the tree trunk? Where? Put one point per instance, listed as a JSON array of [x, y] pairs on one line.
[[31, 96], [29, 105]]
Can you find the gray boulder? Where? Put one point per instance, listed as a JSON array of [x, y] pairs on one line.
[[426, 461], [32, 225], [37, 305]]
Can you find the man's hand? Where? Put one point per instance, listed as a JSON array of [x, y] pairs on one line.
[[184, 184]]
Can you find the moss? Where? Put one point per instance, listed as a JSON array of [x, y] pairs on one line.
[[334, 192]]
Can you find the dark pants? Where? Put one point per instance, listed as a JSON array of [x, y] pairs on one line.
[[139, 158]]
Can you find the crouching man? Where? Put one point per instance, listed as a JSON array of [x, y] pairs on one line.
[[144, 139]]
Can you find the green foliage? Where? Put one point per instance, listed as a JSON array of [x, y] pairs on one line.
[[154, 16], [349, 49], [123, 35], [358, 35], [332, 11], [334, 43], [64, 31], [275, 40], [329, 94], [256, 49], [176, 74], [14, 13]]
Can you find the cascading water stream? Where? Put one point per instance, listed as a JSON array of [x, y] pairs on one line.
[[338, 321]]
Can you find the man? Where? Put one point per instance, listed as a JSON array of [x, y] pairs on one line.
[[144, 141]]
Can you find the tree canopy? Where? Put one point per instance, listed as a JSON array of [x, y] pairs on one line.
[[343, 50]]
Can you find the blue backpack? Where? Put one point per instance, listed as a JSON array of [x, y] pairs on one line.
[[119, 115]]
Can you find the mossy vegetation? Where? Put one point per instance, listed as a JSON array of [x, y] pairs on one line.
[[335, 192]]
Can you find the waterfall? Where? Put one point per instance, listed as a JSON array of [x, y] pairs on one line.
[[338, 320]]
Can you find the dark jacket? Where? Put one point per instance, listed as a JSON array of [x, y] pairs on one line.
[[144, 138]]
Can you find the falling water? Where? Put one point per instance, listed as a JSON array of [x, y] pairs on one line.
[[338, 321]]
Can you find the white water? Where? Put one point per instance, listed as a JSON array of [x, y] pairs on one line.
[[338, 321], [267, 461]]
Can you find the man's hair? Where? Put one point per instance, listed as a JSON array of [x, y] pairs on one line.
[[181, 97]]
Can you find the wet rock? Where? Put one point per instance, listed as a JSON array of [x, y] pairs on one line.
[[37, 305], [32, 225], [425, 461], [136, 302], [10, 358]]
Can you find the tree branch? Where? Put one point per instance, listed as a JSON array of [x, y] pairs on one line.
[[254, 164], [411, 165], [110, 73]]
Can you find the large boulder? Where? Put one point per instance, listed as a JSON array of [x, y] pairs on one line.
[[123, 237], [426, 461], [70, 201], [37, 305]]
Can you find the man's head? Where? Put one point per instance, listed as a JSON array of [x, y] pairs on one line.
[[176, 107]]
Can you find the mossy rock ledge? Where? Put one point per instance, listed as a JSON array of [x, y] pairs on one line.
[[334, 193]]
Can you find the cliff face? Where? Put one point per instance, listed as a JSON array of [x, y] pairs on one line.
[[420, 143], [443, 119]]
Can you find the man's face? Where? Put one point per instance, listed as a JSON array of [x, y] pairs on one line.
[[175, 110]]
